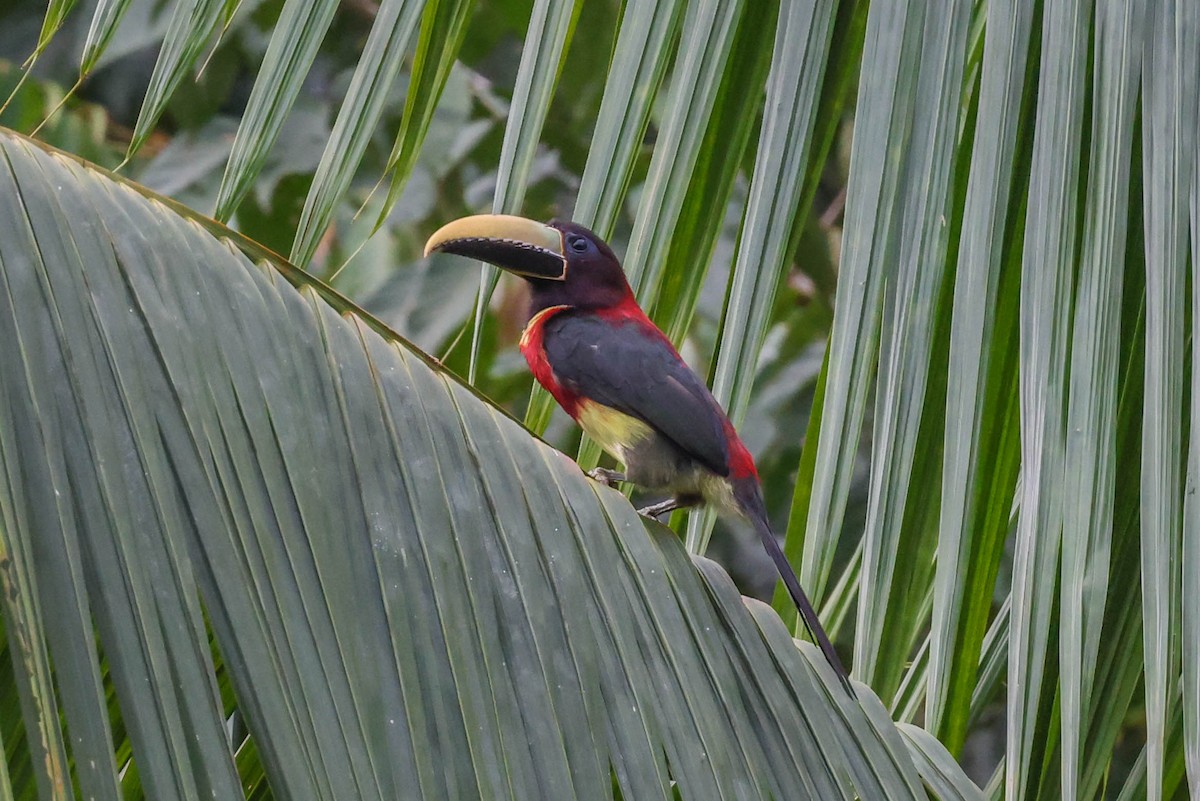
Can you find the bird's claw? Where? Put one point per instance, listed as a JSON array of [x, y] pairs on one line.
[[610, 478], [656, 510]]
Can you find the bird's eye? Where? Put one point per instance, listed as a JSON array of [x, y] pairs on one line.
[[578, 244]]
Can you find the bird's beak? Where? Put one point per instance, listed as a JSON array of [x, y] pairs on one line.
[[524, 247]]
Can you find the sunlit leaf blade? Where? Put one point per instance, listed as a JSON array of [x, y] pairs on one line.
[[718, 158], [886, 88], [546, 42], [1170, 75], [709, 29], [839, 603], [715, 205], [1136, 787], [992, 660], [1048, 266], [1118, 672], [974, 375], [1091, 467], [715, 196], [643, 48], [993, 503], [443, 26], [916, 652], [105, 19], [294, 42], [413, 597], [994, 789], [937, 768], [909, 313], [56, 14], [799, 55], [383, 54], [910, 695], [193, 23], [846, 48], [910, 601], [1190, 554], [1118, 676], [796, 535], [227, 15]]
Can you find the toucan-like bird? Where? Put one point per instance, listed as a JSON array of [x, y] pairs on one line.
[[590, 344]]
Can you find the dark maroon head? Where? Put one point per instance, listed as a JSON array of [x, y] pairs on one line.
[[564, 263], [593, 278]]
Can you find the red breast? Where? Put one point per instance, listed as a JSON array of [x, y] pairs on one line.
[[534, 351]]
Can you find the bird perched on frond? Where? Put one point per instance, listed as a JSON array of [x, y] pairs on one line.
[[612, 370]]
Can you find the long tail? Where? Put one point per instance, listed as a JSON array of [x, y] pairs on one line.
[[750, 499]]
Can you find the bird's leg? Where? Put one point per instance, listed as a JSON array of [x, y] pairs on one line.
[[656, 510], [605, 476]]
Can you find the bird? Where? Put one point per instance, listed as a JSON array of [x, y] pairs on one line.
[[588, 342]]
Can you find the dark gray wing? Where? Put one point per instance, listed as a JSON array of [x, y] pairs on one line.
[[626, 367]]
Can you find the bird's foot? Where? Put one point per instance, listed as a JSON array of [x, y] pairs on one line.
[[605, 476], [656, 510]]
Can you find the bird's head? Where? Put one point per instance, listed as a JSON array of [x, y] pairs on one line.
[[564, 263]]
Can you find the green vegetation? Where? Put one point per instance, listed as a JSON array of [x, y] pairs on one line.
[[269, 525]]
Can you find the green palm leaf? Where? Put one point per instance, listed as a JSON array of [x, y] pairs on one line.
[[974, 511], [413, 597], [1170, 123]]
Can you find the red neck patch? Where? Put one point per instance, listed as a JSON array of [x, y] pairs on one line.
[[534, 351]]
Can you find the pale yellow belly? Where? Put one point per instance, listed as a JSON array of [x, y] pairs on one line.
[[612, 430], [620, 435]]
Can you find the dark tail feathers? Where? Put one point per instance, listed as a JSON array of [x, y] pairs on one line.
[[749, 496]]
